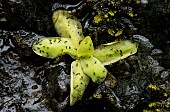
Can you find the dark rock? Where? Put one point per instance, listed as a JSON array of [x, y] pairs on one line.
[[32, 83]]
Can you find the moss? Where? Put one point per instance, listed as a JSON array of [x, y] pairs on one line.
[[111, 20], [97, 19], [111, 32], [161, 101]]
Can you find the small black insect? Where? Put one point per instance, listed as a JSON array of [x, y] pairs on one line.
[[87, 65], [50, 41], [76, 86], [121, 53], [77, 73], [76, 64]]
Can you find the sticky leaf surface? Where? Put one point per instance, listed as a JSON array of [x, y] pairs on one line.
[[52, 47], [115, 51], [79, 82], [94, 69], [67, 25]]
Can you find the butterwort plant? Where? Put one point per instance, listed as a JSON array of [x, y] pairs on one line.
[[89, 62]]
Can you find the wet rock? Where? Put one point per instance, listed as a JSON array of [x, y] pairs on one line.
[[103, 99], [143, 40], [144, 1], [23, 42], [164, 74], [31, 83], [132, 86], [56, 86], [156, 52], [18, 90], [27, 15]]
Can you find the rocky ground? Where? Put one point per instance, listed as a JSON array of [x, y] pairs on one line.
[[31, 83]]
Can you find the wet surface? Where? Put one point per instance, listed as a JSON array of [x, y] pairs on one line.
[[32, 83]]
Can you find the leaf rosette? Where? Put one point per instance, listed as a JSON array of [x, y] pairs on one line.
[[89, 62]]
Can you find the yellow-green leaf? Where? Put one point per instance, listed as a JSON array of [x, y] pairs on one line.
[[115, 51], [78, 83], [86, 48], [94, 69], [67, 26], [52, 47]]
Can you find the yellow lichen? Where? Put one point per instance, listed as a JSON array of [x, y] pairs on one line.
[[98, 96], [118, 33], [138, 1], [167, 105], [113, 3], [106, 15], [111, 32], [147, 111], [130, 13], [111, 13], [165, 95], [158, 110], [153, 87], [154, 104], [97, 18]]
